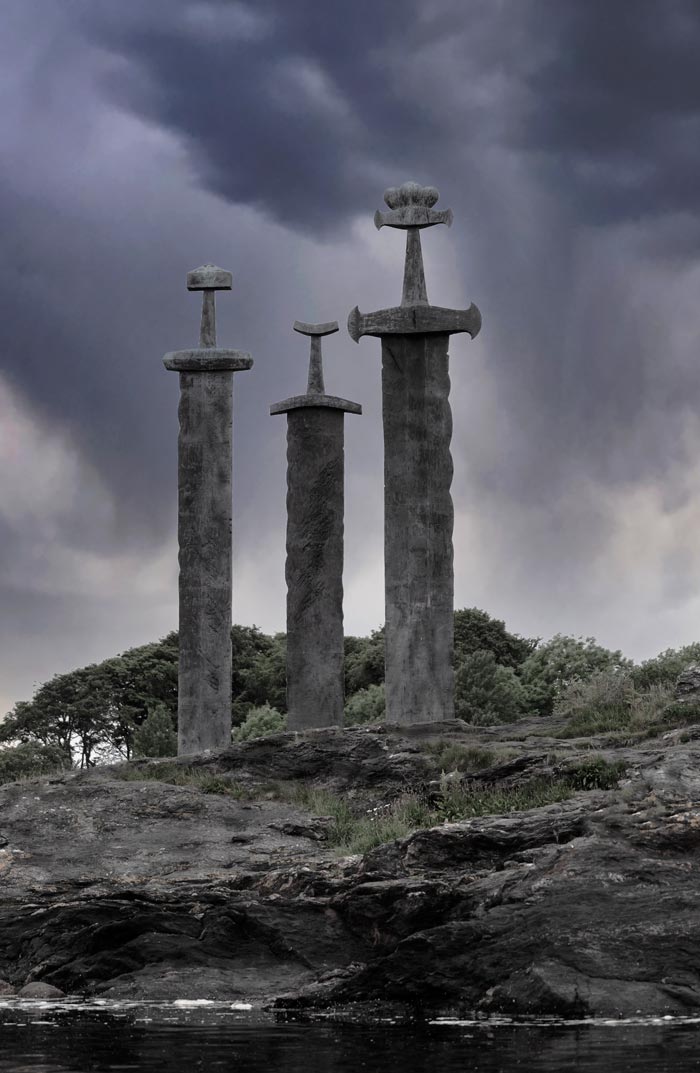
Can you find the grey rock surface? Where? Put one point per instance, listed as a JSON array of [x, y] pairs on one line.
[[144, 889], [688, 684], [40, 991]]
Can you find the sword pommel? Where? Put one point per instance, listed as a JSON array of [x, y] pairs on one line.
[[411, 205], [328, 328]]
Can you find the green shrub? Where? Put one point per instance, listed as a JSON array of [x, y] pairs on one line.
[[259, 723], [558, 663], [604, 689], [366, 706], [665, 668], [29, 759], [156, 736], [486, 692], [589, 724], [680, 714]]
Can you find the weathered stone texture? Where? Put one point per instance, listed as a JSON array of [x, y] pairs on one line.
[[418, 523], [204, 531], [314, 569]]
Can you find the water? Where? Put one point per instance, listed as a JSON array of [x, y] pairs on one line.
[[50, 1038]]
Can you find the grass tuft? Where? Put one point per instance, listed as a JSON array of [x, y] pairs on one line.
[[179, 775], [451, 756]]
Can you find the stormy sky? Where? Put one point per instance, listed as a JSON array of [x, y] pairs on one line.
[[138, 140]]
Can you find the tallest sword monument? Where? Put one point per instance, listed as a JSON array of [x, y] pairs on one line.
[[418, 513]]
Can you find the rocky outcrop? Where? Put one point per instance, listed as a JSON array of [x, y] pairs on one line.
[[687, 688], [142, 888]]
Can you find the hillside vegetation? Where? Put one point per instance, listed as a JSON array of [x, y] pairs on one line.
[[126, 706]]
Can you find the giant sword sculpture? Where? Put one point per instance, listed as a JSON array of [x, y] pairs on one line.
[[418, 513], [204, 524], [314, 569]]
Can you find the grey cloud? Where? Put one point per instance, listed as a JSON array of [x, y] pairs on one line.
[[615, 106], [296, 119]]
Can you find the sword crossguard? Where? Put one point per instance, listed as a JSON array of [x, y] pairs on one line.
[[316, 333], [415, 320]]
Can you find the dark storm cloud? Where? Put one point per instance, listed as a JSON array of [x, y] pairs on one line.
[[615, 105], [298, 106], [563, 134], [285, 106]]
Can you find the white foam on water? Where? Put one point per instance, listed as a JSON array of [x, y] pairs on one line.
[[194, 1002]]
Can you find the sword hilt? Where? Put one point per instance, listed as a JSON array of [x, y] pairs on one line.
[[208, 279], [316, 333]]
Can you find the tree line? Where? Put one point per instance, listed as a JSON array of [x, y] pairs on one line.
[[127, 706]]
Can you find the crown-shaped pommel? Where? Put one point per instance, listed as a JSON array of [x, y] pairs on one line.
[[411, 205]]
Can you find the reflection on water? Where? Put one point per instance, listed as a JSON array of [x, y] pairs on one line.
[[40, 1038]]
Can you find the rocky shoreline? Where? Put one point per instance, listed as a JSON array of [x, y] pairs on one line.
[[119, 884]]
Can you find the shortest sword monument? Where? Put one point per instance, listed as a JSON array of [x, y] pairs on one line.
[[204, 524], [314, 570], [418, 512]]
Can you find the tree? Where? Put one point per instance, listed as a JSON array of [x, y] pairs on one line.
[[92, 713], [486, 692], [476, 631], [364, 661], [259, 671], [562, 660], [157, 735]]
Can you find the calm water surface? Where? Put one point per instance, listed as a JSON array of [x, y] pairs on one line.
[[43, 1038]]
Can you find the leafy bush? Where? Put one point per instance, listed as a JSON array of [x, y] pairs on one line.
[[366, 706], [665, 668], [597, 704], [680, 713], [259, 723], [486, 692], [558, 663], [608, 703], [30, 759], [157, 735]]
